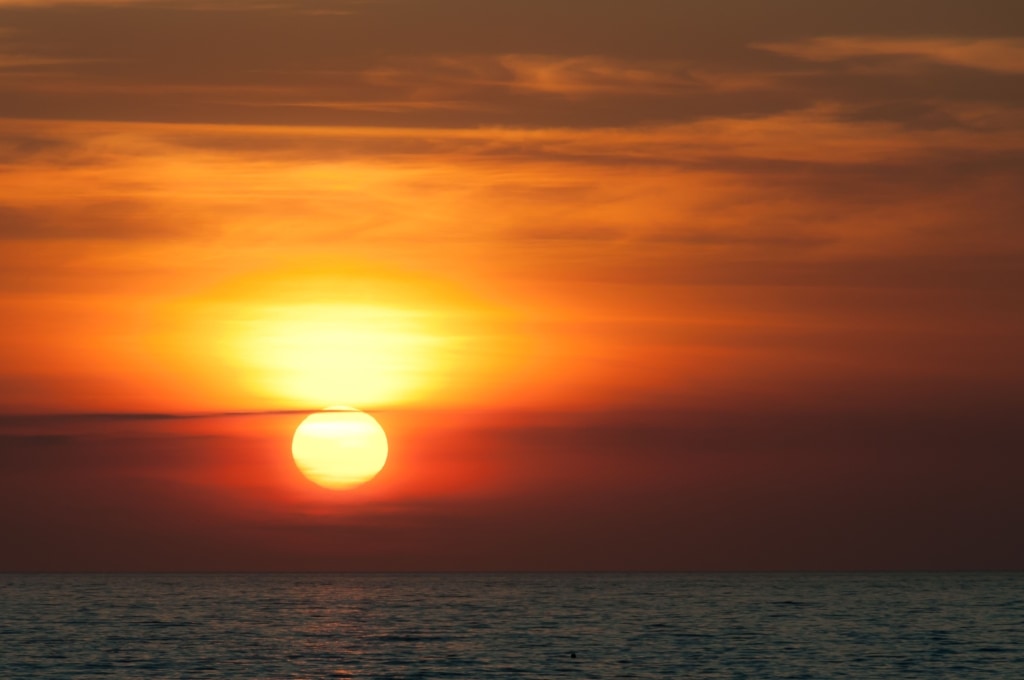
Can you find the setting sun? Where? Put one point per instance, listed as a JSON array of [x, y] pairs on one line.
[[340, 448]]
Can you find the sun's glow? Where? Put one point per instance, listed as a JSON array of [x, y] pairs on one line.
[[340, 448], [310, 333], [355, 353]]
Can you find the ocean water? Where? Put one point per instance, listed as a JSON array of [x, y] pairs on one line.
[[953, 625]]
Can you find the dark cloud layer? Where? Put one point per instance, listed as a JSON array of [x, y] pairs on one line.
[[477, 63], [619, 491]]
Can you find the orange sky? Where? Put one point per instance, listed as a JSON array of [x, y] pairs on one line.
[[645, 285]]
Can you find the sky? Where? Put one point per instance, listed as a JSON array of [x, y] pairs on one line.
[[645, 285]]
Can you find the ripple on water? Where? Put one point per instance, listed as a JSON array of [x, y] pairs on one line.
[[502, 626]]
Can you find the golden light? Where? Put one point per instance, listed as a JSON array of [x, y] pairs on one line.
[[349, 353], [367, 334], [340, 448]]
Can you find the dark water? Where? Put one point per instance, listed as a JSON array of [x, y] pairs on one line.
[[513, 626]]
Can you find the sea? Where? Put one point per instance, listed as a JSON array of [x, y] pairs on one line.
[[806, 625]]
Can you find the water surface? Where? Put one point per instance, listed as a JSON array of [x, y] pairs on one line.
[[953, 625]]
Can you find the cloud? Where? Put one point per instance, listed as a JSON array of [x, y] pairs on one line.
[[709, 237], [591, 75], [543, 490], [21, 61], [383, 106], [565, 233], [118, 219], [187, 5], [57, 3], [999, 55], [796, 182], [569, 76]]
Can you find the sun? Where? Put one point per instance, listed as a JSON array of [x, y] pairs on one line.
[[340, 447]]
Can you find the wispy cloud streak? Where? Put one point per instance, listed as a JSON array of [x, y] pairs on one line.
[[1000, 55]]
